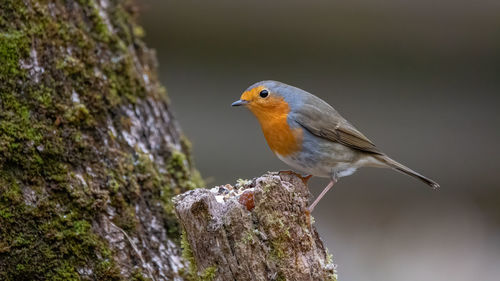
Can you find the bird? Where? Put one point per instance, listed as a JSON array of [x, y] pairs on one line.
[[309, 135]]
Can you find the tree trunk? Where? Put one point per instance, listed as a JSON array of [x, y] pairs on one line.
[[258, 230], [90, 155]]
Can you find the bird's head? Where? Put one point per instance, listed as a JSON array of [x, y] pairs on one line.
[[272, 102], [269, 98]]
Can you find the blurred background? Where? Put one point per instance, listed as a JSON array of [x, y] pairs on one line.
[[420, 78]]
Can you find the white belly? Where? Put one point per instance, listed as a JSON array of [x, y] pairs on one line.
[[342, 163]]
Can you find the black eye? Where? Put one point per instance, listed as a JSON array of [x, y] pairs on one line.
[[264, 93]]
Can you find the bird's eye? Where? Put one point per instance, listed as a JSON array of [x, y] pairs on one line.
[[264, 93]]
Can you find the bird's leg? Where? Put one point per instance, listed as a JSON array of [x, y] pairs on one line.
[[330, 184]]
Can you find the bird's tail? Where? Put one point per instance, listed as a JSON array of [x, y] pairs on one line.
[[403, 169]]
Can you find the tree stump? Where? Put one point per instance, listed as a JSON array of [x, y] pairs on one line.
[[255, 230]]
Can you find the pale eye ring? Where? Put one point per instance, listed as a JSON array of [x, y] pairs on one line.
[[264, 93]]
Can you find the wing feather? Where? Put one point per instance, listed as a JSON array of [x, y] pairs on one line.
[[322, 120]]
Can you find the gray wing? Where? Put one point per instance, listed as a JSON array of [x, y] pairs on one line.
[[322, 120]]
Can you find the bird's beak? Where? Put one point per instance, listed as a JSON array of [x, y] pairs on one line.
[[239, 102]]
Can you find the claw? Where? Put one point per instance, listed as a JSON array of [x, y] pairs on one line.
[[305, 179]]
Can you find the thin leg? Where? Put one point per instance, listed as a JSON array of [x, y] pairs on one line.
[[332, 182]]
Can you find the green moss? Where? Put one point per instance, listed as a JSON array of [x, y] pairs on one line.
[[187, 255], [79, 115], [242, 183], [139, 31], [13, 47], [208, 274], [56, 246], [279, 240], [248, 237], [277, 250], [101, 30], [137, 275], [329, 260], [65, 272], [279, 236], [70, 65], [178, 166], [280, 277]]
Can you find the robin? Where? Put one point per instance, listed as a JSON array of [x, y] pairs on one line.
[[309, 135]]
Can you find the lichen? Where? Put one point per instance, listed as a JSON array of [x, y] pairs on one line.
[[248, 237], [329, 261], [242, 182]]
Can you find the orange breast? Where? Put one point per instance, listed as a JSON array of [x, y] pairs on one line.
[[280, 137]]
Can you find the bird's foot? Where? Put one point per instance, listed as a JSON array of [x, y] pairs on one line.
[[290, 172], [306, 179], [287, 172]]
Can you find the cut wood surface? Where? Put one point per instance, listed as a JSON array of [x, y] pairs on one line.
[[255, 230]]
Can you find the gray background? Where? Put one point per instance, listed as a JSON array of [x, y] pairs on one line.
[[420, 78]]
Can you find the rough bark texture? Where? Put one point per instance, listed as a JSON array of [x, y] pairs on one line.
[[90, 155], [258, 230]]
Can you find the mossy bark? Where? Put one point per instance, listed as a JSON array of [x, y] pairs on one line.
[[90, 155], [256, 230]]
